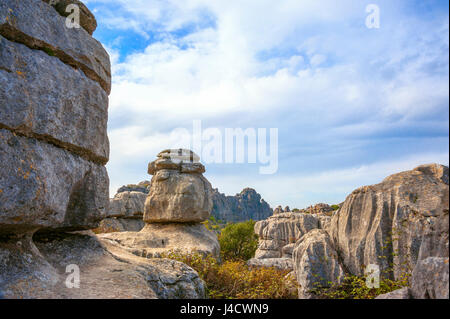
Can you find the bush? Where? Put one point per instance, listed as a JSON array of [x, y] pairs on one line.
[[335, 207], [355, 287], [236, 280], [238, 241]]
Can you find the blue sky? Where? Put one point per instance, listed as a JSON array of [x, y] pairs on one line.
[[352, 104]]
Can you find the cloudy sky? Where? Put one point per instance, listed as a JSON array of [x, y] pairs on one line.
[[351, 104]]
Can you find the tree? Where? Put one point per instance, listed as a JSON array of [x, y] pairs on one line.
[[238, 241]]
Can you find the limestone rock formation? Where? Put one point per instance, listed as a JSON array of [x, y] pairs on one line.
[[399, 221], [142, 187], [280, 230], [36, 268], [403, 293], [180, 198], [157, 239], [246, 205], [278, 263], [430, 279], [53, 142], [316, 262], [54, 87], [87, 19]]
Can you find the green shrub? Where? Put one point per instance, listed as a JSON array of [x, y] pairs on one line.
[[238, 241], [355, 287], [335, 207]]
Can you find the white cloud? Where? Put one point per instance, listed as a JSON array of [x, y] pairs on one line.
[[307, 65]]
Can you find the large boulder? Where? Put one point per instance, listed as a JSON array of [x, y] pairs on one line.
[[39, 267], [280, 230], [46, 99], [395, 223], [42, 186], [316, 263], [430, 279], [158, 239], [179, 193], [127, 205]]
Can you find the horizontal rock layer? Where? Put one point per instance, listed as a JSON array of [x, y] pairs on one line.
[[87, 19], [48, 32], [43, 98], [43, 186], [157, 239]]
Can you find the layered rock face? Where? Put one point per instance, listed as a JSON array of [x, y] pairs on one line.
[[277, 237], [246, 205], [316, 262], [397, 222], [54, 87], [401, 225], [180, 198]]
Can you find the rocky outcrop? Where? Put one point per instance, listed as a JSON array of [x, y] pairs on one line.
[[180, 198], [316, 263], [280, 230], [403, 293], [54, 87], [278, 263], [430, 279], [40, 267], [87, 19], [126, 209], [244, 206], [53, 142], [142, 187], [397, 222]]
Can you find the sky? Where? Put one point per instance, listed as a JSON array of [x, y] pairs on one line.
[[352, 104]]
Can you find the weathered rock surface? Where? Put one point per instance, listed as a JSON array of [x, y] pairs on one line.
[[43, 186], [87, 19], [48, 32], [157, 239], [278, 263], [177, 194], [114, 224], [127, 205], [246, 205], [403, 293], [316, 262], [67, 108], [395, 221], [430, 279], [280, 230], [142, 187], [37, 269]]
